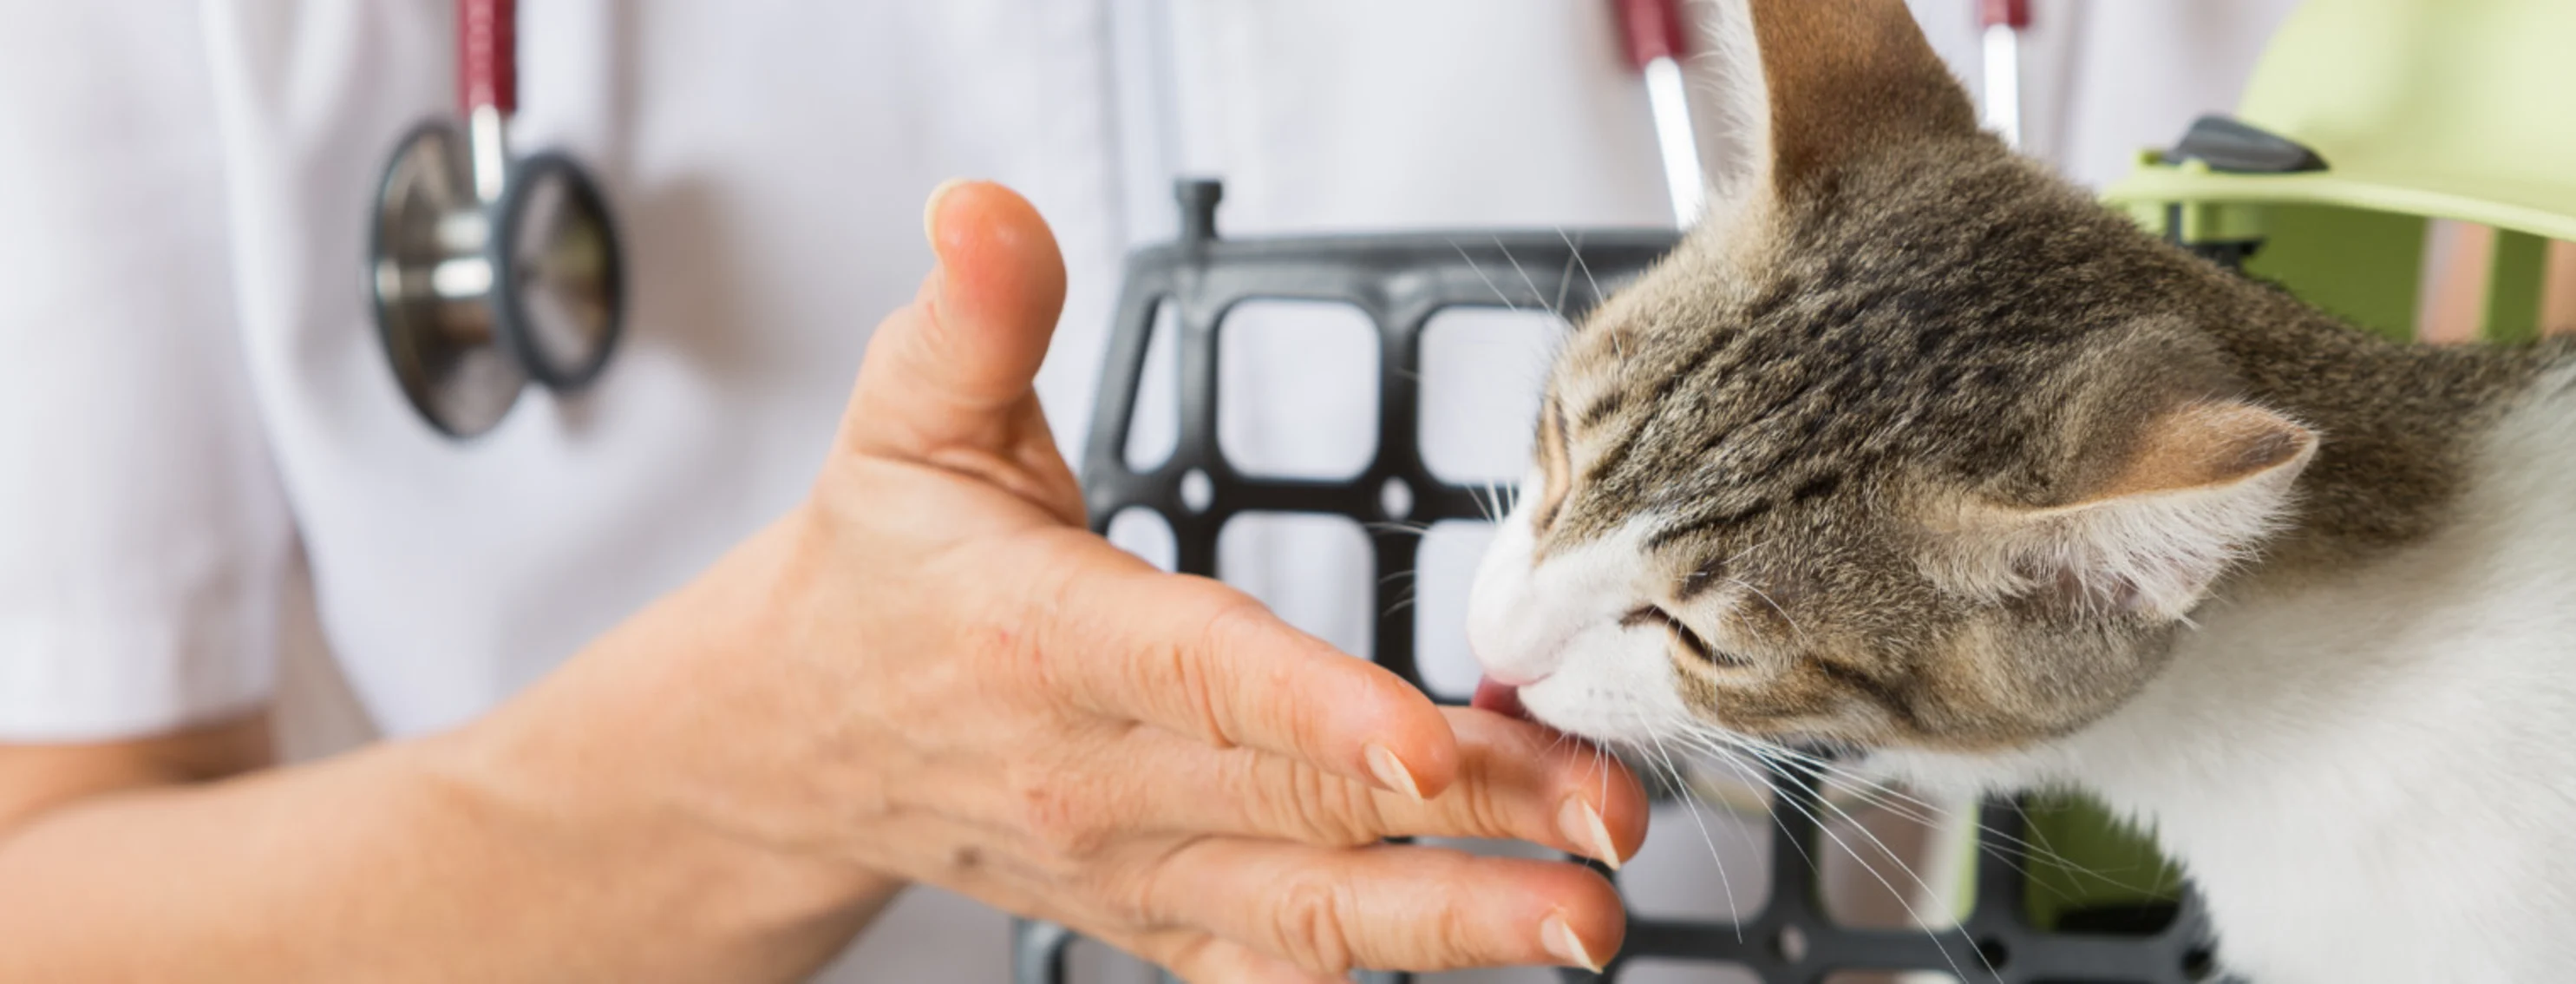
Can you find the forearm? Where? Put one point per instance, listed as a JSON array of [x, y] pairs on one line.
[[381, 865], [555, 840]]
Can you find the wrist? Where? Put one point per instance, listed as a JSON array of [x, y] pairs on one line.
[[637, 757], [614, 843]]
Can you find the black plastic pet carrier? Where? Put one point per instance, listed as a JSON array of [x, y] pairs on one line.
[[1400, 281]]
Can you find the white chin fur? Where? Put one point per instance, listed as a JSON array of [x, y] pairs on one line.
[[1557, 623], [1616, 686]]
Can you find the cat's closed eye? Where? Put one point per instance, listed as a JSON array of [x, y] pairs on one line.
[[1690, 641]]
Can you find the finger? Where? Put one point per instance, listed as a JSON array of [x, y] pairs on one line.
[[1203, 959], [1516, 781], [973, 338], [1195, 657], [947, 379], [1522, 781], [1391, 907]]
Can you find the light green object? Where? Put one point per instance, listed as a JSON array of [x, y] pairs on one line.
[[2452, 109], [2514, 283], [2421, 109], [2090, 859]]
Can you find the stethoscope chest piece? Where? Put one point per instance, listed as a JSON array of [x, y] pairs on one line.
[[487, 272]]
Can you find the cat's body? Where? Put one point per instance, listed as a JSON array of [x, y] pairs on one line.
[[2370, 769], [1913, 448]]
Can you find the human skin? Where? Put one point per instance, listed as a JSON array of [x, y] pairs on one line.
[[927, 672]]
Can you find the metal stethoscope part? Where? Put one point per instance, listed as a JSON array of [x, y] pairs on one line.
[[489, 272]]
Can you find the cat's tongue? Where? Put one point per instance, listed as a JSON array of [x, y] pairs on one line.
[[1498, 698]]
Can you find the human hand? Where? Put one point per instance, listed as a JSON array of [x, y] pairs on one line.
[[933, 672]]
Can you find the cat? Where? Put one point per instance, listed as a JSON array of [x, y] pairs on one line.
[[1914, 449]]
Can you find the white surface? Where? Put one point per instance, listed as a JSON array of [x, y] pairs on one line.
[[192, 382]]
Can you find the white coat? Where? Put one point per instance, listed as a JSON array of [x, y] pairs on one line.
[[194, 410]]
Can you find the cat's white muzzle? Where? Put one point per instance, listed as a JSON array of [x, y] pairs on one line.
[[1552, 629]]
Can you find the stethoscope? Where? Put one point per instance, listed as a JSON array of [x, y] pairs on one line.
[[489, 272]]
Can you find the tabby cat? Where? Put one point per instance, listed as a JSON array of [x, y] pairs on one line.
[[1914, 449]]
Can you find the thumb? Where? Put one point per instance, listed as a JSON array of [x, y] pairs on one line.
[[947, 378]]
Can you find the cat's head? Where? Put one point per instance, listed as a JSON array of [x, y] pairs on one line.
[[1909, 444]]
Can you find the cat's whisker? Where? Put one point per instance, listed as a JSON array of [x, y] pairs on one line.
[[1399, 527], [1557, 742], [1480, 275], [1931, 930], [1536, 294], [1739, 555], [1601, 761], [1750, 771], [1826, 773], [1920, 811], [1823, 827], [1713, 743], [1725, 883], [1735, 764], [1891, 854], [1752, 777], [1872, 794], [1876, 795], [1565, 276], [1574, 245], [1775, 608], [2161, 887]]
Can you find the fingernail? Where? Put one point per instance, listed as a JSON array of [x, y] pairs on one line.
[[1582, 826], [1561, 943], [1390, 771], [930, 210]]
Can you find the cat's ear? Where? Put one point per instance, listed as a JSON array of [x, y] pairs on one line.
[[1808, 86], [2200, 486]]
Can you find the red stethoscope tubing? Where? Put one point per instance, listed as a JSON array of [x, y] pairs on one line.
[[1652, 35], [487, 56], [1650, 29]]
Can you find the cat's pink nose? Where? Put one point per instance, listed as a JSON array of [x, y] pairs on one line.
[[1498, 697]]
